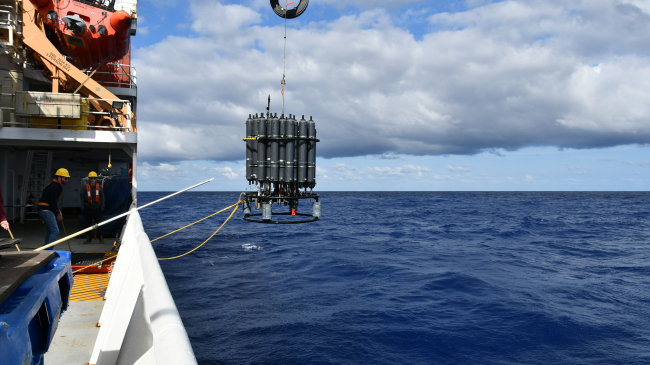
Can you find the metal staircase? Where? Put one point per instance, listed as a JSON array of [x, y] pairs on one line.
[[38, 172]]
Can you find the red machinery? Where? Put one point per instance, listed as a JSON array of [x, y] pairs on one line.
[[90, 32]]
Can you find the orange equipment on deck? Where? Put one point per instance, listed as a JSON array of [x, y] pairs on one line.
[[88, 32]]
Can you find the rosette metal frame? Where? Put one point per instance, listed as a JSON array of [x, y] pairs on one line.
[[281, 163]]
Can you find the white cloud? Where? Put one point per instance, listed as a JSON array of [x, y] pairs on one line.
[[342, 171], [390, 156], [226, 172], [321, 174], [576, 169], [142, 30], [496, 77], [147, 171], [458, 168], [363, 3], [640, 163], [383, 171], [222, 20]]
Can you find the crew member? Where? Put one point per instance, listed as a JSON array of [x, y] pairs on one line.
[[92, 205], [48, 204], [3, 217]]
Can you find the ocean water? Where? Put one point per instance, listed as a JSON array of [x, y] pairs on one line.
[[415, 278]]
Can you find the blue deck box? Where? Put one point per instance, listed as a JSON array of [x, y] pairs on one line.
[[30, 315]]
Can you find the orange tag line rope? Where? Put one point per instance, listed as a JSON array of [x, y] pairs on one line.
[[287, 4]]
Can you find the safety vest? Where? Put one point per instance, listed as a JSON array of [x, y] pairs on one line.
[[89, 196]]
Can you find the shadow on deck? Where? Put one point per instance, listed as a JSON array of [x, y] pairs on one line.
[[32, 234]]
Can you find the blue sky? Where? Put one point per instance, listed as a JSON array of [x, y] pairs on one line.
[[407, 95]]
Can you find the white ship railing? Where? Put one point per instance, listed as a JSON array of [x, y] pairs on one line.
[[26, 124], [125, 75], [8, 19], [10, 32], [140, 323]]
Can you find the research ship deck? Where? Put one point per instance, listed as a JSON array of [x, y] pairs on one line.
[[77, 332], [61, 108]]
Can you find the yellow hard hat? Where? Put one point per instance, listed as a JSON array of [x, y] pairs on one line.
[[62, 172], [92, 174]]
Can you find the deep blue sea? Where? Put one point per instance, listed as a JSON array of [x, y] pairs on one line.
[[415, 278]]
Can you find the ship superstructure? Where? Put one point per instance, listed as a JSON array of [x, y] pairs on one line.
[[68, 99], [57, 114]]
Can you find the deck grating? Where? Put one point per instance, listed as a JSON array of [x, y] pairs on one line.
[[89, 287]]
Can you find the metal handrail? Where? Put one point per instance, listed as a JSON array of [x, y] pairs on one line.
[[90, 127], [131, 84], [95, 99], [12, 19], [127, 127]]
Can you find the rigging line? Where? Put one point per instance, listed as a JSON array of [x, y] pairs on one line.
[[66, 233], [209, 238], [108, 258], [284, 56], [200, 220], [98, 262], [119, 216], [12, 237]]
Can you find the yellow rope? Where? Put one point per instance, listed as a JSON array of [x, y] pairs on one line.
[[12, 237], [211, 215], [206, 241], [236, 205]]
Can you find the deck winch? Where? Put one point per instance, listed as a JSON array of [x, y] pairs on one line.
[[281, 162]]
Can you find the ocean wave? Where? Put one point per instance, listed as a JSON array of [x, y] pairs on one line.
[[489, 278]]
